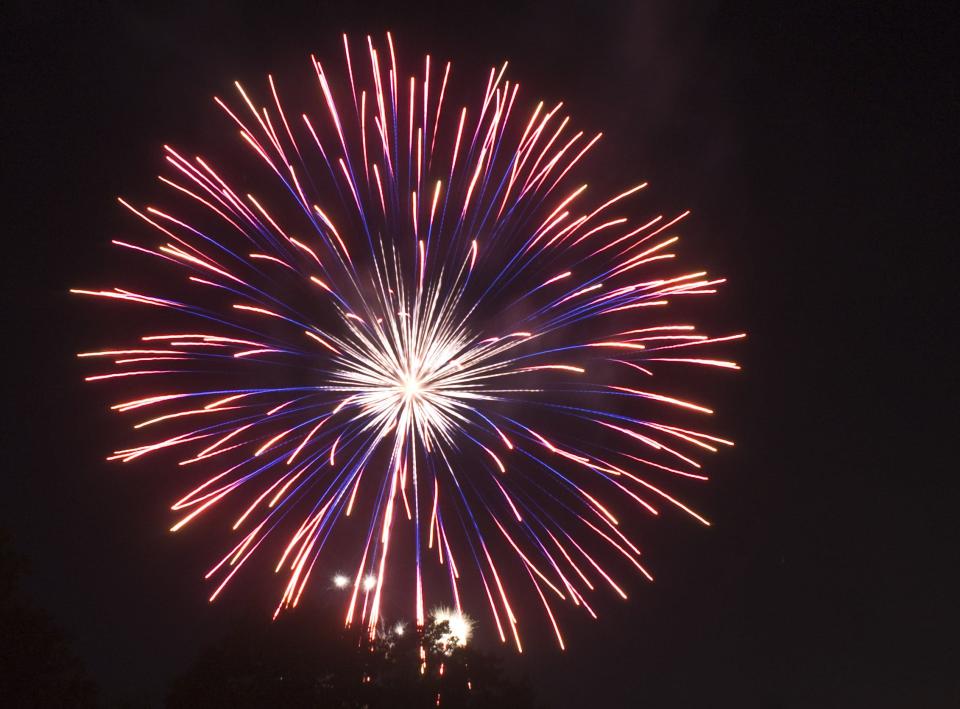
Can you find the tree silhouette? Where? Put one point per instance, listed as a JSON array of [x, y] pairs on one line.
[[308, 659], [38, 667]]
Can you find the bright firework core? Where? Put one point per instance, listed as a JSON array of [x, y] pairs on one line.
[[413, 369], [411, 387]]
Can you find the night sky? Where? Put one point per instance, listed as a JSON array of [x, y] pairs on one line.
[[817, 149]]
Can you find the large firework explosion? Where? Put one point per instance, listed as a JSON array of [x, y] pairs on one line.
[[421, 338]]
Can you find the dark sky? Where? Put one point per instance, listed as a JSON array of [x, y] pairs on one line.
[[817, 148]]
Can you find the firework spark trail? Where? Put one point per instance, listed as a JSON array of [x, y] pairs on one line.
[[463, 342]]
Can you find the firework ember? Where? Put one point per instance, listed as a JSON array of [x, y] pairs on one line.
[[419, 355]]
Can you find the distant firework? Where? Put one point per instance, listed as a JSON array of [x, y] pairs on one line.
[[420, 324]]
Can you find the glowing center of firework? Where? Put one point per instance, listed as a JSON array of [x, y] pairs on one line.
[[411, 387], [410, 372]]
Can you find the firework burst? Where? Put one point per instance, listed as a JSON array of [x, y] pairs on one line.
[[422, 326]]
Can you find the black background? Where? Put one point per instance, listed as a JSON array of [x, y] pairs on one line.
[[817, 147]]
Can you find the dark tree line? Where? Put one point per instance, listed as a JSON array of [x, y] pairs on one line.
[[307, 659]]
